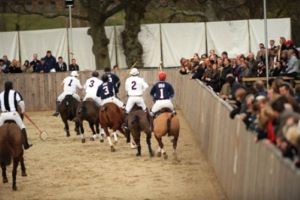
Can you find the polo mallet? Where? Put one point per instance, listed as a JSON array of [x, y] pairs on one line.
[[160, 66], [42, 134], [134, 64]]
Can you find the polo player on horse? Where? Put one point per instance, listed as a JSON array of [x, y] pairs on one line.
[[70, 84], [91, 86]]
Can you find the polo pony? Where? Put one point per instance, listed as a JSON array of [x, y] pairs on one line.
[[11, 149], [139, 121], [111, 116], [67, 110], [166, 123]]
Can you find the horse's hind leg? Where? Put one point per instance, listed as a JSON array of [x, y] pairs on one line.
[[4, 176], [148, 140], [137, 140], [160, 150], [23, 168], [94, 136], [175, 146], [112, 148], [67, 128], [14, 173]]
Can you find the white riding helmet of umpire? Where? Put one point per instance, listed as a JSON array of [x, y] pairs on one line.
[[134, 71], [74, 73]]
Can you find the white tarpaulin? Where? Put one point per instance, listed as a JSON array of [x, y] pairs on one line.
[[9, 45], [83, 44], [40, 41], [182, 40], [149, 38], [230, 36], [276, 29]]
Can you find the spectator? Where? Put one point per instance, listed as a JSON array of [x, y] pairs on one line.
[[115, 69], [290, 46], [213, 80], [73, 66], [3, 67], [15, 67], [259, 88], [35, 61], [252, 64], [40, 66], [26, 67], [282, 42], [227, 69], [224, 55], [6, 61], [50, 62], [292, 65], [60, 66], [297, 94]]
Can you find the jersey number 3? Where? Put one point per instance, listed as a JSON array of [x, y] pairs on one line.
[[133, 85], [91, 83]]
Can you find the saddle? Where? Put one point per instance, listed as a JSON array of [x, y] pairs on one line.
[[164, 110]]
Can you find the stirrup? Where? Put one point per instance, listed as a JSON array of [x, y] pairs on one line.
[[55, 114]]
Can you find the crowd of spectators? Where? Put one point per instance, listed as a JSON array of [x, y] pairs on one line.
[[44, 65], [272, 114]]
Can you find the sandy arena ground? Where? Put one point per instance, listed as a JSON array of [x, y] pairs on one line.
[[64, 168]]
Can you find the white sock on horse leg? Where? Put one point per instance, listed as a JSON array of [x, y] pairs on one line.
[[81, 135], [115, 136], [109, 140], [163, 151], [102, 131], [158, 150]]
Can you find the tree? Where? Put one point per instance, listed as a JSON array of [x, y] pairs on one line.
[[134, 13], [96, 13]]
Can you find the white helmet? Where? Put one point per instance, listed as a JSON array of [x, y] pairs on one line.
[[134, 71], [74, 73]]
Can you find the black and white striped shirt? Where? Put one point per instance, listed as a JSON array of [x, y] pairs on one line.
[[9, 100]]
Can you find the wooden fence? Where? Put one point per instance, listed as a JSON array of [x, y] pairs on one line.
[[245, 170]]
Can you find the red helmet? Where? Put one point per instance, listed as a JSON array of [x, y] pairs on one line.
[[162, 76]]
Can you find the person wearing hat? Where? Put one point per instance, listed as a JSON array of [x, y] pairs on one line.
[[162, 92], [70, 84], [9, 102], [91, 86], [107, 92], [135, 87]]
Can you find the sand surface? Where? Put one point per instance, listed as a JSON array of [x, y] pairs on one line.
[[64, 168]]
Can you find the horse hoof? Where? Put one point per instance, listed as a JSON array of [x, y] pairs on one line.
[[165, 156], [115, 142], [83, 140], [24, 174], [158, 154], [138, 154], [101, 140], [112, 149], [5, 180], [68, 134], [151, 154], [14, 188], [92, 139]]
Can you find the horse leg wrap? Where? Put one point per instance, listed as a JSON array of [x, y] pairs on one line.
[[25, 139], [115, 136], [109, 140]]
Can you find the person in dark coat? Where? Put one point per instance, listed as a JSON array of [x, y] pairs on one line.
[[60, 66], [50, 62], [73, 66]]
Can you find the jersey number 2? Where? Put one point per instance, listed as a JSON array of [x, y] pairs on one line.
[[133, 85]]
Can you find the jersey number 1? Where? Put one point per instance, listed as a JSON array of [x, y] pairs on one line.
[[161, 93], [70, 82]]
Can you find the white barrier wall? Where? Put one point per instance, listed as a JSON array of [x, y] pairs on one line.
[[182, 40], [230, 36], [9, 45], [276, 29], [166, 42], [42, 40]]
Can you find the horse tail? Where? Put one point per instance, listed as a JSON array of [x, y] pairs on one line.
[[136, 120], [169, 120], [5, 152], [84, 110]]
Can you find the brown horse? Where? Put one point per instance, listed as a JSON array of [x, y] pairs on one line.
[[67, 110], [11, 149], [138, 121], [111, 116], [89, 111], [166, 123]]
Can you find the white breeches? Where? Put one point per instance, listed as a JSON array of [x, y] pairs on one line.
[[95, 98], [159, 104], [114, 100], [64, 94], [139, 101], [12, 116]]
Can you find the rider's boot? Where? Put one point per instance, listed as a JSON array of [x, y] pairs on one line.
[[56, 110], [25, 139]]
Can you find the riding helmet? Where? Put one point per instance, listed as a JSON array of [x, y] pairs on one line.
[[74, 73], [162, 75], [104, 78], [95, 74], [134, 71]]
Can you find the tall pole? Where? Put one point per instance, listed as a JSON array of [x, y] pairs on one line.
[[266, 41], [70, 33]]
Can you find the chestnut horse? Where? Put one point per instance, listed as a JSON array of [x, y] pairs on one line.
[[11, 149], [138, 121], [111, 116], [166, 123], [89, 111], [67, 110]]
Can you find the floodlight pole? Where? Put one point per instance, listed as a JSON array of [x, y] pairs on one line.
[[70, 33], [266, 42]]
